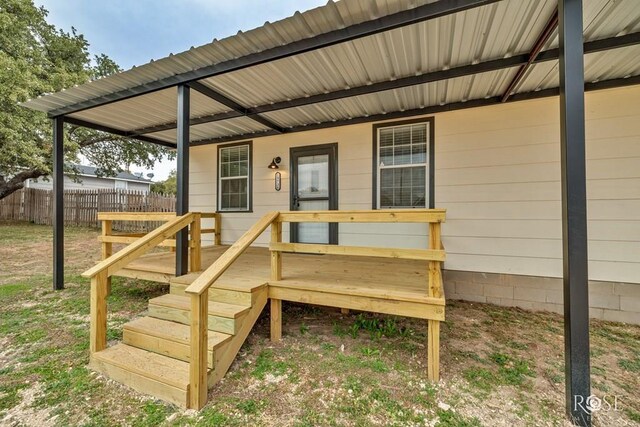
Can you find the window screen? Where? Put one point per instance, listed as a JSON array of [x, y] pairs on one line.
[[233, 178], [402, 166]]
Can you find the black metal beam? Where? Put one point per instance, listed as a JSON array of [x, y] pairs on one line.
[[542, 39], [367, 28], [225, 100], [104, 128], [474, 103], [465, 70], [182, 175], [194, 121], [58, 203], [574, 213]]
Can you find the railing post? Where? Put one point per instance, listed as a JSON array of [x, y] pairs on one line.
[[434, 290], [98, 312], [107, 247], [196, 243], [199, 355], [276, 274]]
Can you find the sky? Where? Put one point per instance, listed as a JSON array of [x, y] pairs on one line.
[[132, 32]]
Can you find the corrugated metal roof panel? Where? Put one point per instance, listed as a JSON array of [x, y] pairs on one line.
[[451, 41], [606, 18], [460, 89], [235, 126], [299, 26], [495, 31], [154, 108], [607, 65]]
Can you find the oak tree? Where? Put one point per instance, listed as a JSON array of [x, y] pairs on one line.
[[37, 58]]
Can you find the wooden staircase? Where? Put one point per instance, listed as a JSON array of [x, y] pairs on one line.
[[154, 355]]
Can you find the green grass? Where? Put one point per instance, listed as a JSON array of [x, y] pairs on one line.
[[266, 364], [633, 415], [499, 369], [249, 406], [151, 414], [330, 369], [453, 419], [304, 329], [631, 365], [356, 362], [8, 291], [512, 371]]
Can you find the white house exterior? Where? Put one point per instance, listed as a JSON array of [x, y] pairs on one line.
[[495, 165], [497, 172]]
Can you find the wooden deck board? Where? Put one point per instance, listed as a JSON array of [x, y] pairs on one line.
[[367, 277]]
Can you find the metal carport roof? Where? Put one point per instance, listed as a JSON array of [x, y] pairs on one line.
[[452, 54], [364, 60]]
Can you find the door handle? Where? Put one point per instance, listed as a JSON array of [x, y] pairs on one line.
[[296, 202]]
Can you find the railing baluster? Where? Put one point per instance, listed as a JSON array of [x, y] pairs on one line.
[[435, 275], [107, 247], [218, 229], [196, 243], [276, 256]]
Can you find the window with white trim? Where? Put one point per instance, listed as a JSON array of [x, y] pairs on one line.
[[234, 178], [120, 185], [402, 166]]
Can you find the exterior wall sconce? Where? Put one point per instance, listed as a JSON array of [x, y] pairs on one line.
[[274, 163]]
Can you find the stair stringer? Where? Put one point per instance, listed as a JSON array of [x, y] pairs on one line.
[[225, 356]]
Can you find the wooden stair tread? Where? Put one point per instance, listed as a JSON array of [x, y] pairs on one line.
[[151, 365], [173, 331], [238, 286], [220, 309], [139, 264]]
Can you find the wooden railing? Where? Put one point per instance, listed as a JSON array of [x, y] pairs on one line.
[[108, 238], [434, 255], [101, 272], [198, 290]]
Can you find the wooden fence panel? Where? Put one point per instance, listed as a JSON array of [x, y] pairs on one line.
[[81, 207]]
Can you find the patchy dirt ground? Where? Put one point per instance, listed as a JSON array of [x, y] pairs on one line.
[[499, 366]]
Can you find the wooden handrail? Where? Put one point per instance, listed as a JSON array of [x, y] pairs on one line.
[[381, 215], [308, 248], [218, 268], [118, 260], [136, 216], [198, 292]]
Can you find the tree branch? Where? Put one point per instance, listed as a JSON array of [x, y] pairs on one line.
[[17, 181]]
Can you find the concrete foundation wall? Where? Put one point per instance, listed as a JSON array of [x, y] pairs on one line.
[[614, 301]]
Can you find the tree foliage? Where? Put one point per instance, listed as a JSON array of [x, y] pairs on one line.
[[168, 186], [37, 58]]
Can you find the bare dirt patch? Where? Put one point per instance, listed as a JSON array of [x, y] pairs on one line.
[[25, 414]]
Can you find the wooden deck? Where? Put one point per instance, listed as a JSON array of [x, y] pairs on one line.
[[194, 333], [390, 286]]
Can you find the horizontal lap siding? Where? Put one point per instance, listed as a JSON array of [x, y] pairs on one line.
[[498, 176]]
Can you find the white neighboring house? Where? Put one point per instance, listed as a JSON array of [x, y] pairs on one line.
[[89, 180]]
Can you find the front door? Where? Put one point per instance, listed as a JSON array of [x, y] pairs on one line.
[[314, 187]]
